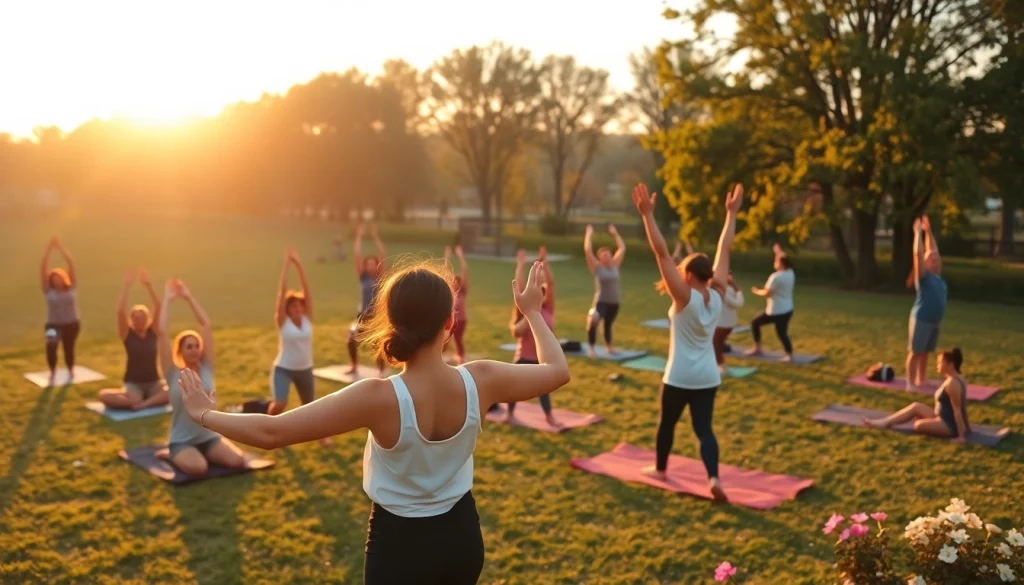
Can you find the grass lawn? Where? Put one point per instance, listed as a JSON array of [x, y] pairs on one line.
[[304, 521]]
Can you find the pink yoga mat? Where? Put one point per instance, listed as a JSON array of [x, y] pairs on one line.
[[754, 489], [974, 391], [531, 416]]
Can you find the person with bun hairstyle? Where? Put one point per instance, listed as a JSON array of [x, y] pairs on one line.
[[948, 418], [423, 424]]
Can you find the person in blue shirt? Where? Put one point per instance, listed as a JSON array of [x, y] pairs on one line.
[[929, 303]]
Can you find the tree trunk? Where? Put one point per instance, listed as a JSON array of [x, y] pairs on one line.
[[485, 208], [867, 266], [1007, 217], [557, 175], [902, 249], [847, 269], [498, 230]]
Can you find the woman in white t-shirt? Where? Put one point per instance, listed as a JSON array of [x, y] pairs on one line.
[[293, 312], [423, 423], [691, 378], [732, 302], [779, 307]]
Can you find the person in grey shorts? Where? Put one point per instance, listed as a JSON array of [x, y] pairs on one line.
[[929, 303], [60, 287], [607, 296], [191, 448], [143, 387]]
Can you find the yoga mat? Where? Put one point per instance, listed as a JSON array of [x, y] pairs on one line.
[[753, 489], [620, 355], [974, 391], [145, 457], [663, 324], [774, 356], [340, 373], [653, 363], [531, 416], [985, 435], [83, 375], [118, 415]]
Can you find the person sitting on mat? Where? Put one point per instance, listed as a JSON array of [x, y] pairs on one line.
[[733, 301], [368, 270], [423, 425], [696, 287], [191, 447], [461, 290], [779, 306], [293, 314], [60, 287], [948, 418], [607, 296], [929, 303], [143, 386]]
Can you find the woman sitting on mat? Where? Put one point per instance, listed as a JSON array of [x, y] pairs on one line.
[[696, 287], [929, 303], [143, 386], [732, 301], [461, 290], [948, 418], [293, 314], [423, 423], [779, 307], [60, 287], [369, 270], [607, 296], [191, 447]]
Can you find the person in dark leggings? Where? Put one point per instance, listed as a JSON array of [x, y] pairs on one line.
[[607, 296], [60, 287], [779, 308], [369, 270], [424, 425], [696, 287]]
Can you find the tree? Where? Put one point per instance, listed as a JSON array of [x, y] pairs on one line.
[[407, 82], [575, 107]]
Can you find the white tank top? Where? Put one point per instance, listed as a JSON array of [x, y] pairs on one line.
[[691, 353], [418, 478], [295, 345]]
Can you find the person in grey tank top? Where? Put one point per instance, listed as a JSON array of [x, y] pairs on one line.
[[368, 270], [607, 296], [60, 288], [191, 447]]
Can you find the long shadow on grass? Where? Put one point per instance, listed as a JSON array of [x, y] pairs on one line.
[[40, 422]]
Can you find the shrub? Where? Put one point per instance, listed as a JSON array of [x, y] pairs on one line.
[[554, 225]]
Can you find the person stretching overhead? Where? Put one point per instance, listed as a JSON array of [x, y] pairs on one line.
[[143, 386], [423, 425], [733, 301], [779, 308], [607, 296], [696, 287], [948, 418], [461, 290], [526, 347], [60, 287], [369, 270], [293, 314], [929, 303]]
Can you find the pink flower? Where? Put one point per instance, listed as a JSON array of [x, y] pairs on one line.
[[879, 516], [832, 523], [844, 535], [858, 530], [724, 571], [859, 518]]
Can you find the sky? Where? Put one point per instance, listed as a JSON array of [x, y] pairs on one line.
[[65, 62]]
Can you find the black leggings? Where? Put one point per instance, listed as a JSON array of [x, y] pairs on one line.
[[702, 407], [781, 328], [447, 549], [545, 401], [66, 336], [606, 312]]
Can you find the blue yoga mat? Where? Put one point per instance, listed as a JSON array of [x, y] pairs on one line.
[[653, 363], [800, 359], [663, 324], [118, 415], [620, 355]]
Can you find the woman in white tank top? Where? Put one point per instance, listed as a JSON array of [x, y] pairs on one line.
[[696, 287], [293, 314], [423, 425]]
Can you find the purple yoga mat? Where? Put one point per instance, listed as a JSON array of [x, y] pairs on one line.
[[974, 391], [754, 489], [985, 435], [531, 416], [146, 458]]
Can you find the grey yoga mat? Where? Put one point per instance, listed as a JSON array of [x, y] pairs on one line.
[[146, 458], [985, 435]]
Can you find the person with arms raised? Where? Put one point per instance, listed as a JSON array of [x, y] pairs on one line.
[[60, 287], [608, 295], [929, 303]]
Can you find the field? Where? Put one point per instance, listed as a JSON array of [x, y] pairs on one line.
[[103, 521]]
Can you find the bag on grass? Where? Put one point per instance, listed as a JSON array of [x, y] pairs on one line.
[[880, 372], [571, 346]]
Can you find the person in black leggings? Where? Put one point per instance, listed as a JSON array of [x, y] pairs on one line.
[[62, 324], [607, 295], [779, 307]]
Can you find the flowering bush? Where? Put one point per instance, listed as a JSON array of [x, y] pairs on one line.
[[953, 548]]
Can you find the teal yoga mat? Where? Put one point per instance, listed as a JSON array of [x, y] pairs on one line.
[[653, 363]]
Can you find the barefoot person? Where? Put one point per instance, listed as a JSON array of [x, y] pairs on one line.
[[696, 287], [423, 426], [607, 296], [948, 418], [60, 287], [526, 347], [929, 303], [778, 291], [461, 290], [191, 448], [293, 314], [368, 270], [143, 386]]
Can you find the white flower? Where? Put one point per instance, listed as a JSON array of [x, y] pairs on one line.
[[1015, 538], [947, 555], [953, 518], [1005, 549], [916, 581], [959, 536], [993, 529], [973, 521], [1006, 573], [957, 506]]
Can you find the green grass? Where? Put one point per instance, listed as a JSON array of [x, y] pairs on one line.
[[304, 521]]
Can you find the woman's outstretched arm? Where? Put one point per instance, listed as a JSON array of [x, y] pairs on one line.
[[162, 336], [154, 298], [282, 288], [205, 327], [72, 275], [588, 249], [122, 304], [722, 255], [674, 283], [620, 246], [307, 293], [44, 268]]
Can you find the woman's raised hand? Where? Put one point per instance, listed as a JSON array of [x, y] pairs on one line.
[[734, 199], [531, 296], [643, 200]]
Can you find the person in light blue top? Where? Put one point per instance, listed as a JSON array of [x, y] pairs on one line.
[[929, 303]]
